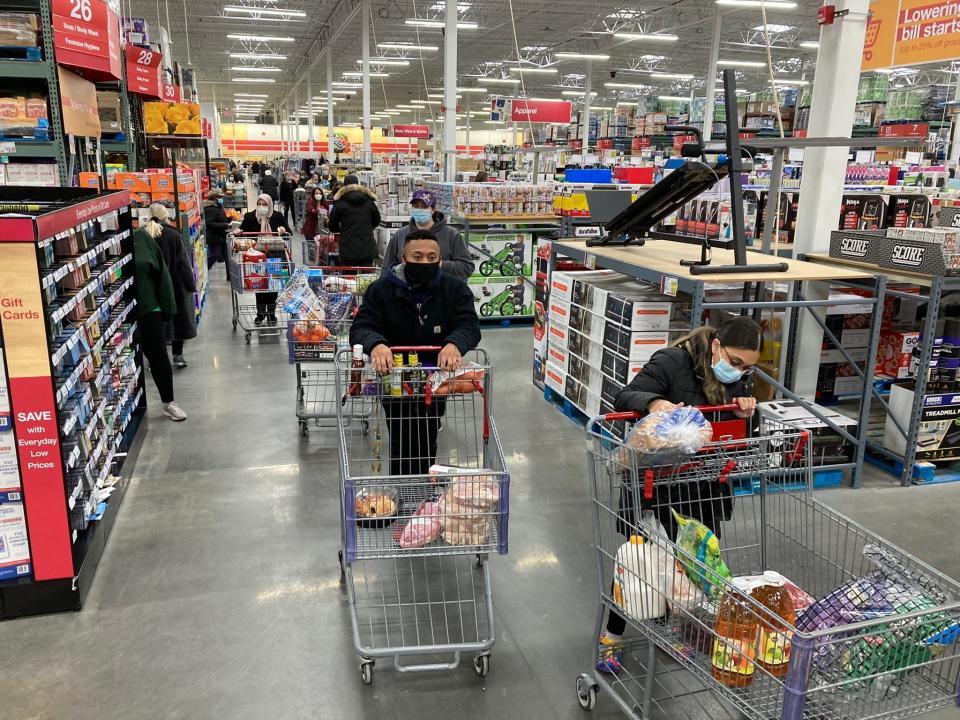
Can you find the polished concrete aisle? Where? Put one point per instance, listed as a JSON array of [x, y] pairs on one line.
[[218, 594]]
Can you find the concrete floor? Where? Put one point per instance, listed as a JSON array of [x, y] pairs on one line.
[[218, 593]]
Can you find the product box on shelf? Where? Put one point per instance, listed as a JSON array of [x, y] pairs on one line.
[[861, 212], [502, 296], [14, 547], [584, 347], [858, 245], [948, 217], [894, 353], [583, 397], [555, 378], [634, 345], [828, 446], [908, 211], [501, 254], [939, 436], [918, 251], [618, 368]]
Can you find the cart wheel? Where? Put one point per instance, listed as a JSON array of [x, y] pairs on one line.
[[234, 324], [343, 574], [247, 339], [481, 664], [481, 559], [586, 692], [365, 427], [304, 429], [366, 672]]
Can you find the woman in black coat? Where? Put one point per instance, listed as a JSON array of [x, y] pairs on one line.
[[710, 366], [264, 220], [183, 325]]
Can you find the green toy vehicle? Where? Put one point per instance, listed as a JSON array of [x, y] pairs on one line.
[[507, 303], [508, 261]]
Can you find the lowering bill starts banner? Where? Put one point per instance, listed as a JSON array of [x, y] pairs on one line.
[[911, 32]]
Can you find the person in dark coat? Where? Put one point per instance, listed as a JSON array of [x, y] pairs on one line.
[[355, 216], [710, 366], [217, 224], [269, 185], [417, 304], [424, 216], [264, 220], [183, 325], [287, 186], [315, 216]]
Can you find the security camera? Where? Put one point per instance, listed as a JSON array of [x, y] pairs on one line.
[[613, 74]]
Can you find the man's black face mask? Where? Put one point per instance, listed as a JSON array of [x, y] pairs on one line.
[[420, 273]]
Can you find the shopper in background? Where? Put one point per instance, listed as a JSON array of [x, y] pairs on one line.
[[312, 182], [710, 366], [355, 216], [416, 304], [217, 224], [424, 216], [481, 176], [287, 186], [315, 216], [264, 220], [269, 185], [156, 303], [182, 326]]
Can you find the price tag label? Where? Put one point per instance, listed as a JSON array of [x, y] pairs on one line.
[[669, 285], [590, 261]]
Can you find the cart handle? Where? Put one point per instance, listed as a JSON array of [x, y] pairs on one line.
[[415, 348], [347, 268], [797, 451], [635, 415]]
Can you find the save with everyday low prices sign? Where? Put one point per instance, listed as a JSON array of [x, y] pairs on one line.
[[411, 131], [911, 32], [86, 37], [143, 71], [541, 111]]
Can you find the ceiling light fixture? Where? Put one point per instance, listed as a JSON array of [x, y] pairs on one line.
[[770, 4], [472, 90], [359, 74], [675, 98], [340, 83], [625, 86], [742, 63], [387, 61], [537, 70], [773, 27], [258, 68], [256, 56], [407, 46], [421, 22], [262, 38], [581, 56], [502, 81], [654, 37], [788, 81], [671, 76], [252, 80], [810, 45], [264, 11], [577, 93], [249, 95]]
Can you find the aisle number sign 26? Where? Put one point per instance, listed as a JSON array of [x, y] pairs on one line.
[[81, 10]]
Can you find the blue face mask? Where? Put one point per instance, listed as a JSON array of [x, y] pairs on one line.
[[219, 201], [421, 216], [724, 371]]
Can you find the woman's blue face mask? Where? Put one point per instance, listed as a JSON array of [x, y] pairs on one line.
[[727, 373]]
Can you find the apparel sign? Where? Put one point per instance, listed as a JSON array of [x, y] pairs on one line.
[[911, 32], [411, 131], [86, 36], [143, 71], [541, 111]]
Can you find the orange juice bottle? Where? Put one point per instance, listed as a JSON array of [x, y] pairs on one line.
[[773, 645], [735, 647]]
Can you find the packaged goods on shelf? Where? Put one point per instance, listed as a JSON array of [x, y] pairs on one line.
[[493, 199], [19, 29], [501, 254], [500, 297], [108, 107], [36, 174], [24, 117], [14, 547], [136, 30], [938, 437]]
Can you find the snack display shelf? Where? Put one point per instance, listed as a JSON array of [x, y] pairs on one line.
[[75, 383]]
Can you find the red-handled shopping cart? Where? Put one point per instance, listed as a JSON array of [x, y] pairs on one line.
[[870, 631], [260, 266], [425, 499]]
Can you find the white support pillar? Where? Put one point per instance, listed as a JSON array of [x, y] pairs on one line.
[[824, 169], [450, 93], [283, 131], [330, 153], [310, 114], [711, 80], [467, 141], [365, 11], [296, 119], [585, 117]]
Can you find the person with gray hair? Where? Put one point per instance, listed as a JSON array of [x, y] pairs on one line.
[[182, 326]]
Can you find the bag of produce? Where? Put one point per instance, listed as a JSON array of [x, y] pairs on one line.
[[698, 541]]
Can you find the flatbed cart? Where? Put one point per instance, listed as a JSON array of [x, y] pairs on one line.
[[249, 277], [312, 346], [419, 520], [878, 640]]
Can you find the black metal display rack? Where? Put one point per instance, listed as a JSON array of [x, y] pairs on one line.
[[74, 379]]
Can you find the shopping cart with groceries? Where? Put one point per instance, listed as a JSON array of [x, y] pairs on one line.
[[313, 343], [740, 593], [424, 497], [321, 249], [260, 266]]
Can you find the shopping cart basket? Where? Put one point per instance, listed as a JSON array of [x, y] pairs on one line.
[[260, 266], [299, 207], [700, 645], [313, 345], [320, 249], [425, 498]]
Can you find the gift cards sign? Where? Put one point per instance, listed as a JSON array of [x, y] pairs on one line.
[[143, 71], [86, 36]]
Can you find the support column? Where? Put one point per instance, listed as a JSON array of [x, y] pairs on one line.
[[585, 117], [954, 153], [365, 11], [283, 131], [296, 119], [310, 114], [824, 169], [450, 93], [330, 153], [467, 142], [711, 80]]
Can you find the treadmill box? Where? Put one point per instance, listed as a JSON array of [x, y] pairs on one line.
[[939, 435], [638, 346], [620, 369], [585, 348]]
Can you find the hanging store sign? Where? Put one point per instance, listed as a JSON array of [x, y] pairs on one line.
[[911, 32], [170, 93], [541, 111], [143, 71], [86, 37], [904, 130], [81, 117], [411, 131]]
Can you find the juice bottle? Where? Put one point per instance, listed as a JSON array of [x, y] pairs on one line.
[[773, 645], [735, 646], [396, 376], [356, 365]]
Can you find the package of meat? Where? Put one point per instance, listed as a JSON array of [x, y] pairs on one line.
[[423, 528], [469, 506]]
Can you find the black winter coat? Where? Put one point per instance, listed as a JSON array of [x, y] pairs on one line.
[[183, 325], [394, 314], [286, 191], [217, 224], [269, 185], [355, 216], [251, 223]]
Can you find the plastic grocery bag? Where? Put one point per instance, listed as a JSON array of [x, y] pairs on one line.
[[682, 429], [298, 299], [697, 540], [458, 381]]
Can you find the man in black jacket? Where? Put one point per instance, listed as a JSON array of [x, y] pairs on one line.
[[416, 305], [217, 224], [355, 216], [287, 186], [269, 185]]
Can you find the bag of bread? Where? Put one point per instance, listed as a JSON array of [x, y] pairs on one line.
[[683, 429]]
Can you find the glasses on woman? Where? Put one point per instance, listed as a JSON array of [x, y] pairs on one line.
[[745, 368]]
